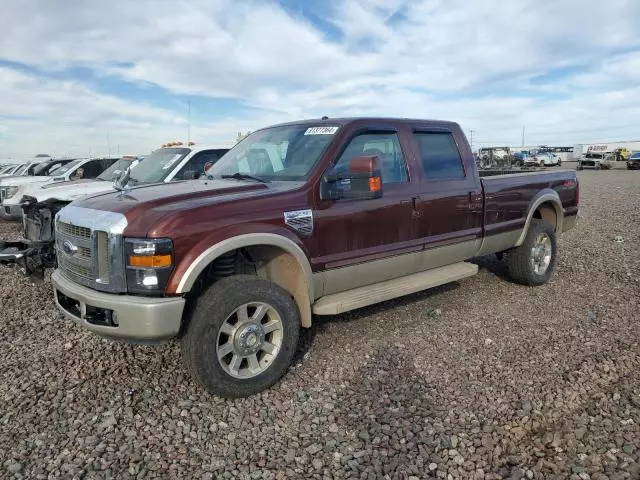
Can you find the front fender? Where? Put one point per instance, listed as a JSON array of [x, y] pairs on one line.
[[213, 246]]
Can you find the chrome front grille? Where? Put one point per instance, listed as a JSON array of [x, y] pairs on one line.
[[3, 193], [74, 230], [89, 247], [75, 253]]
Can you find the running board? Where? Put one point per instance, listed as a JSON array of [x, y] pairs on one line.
[[398, 287]]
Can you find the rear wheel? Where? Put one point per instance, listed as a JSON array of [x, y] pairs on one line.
[[534, 262], [242, 336]]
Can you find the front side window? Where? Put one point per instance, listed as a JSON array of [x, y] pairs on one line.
[[196, 165], [63, 169], [89, 169], [158, 165], [386, 147], [439, 156], [285, 153]]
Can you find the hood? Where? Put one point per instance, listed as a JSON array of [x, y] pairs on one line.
[[23, 180], [147, 205], [70, 191]]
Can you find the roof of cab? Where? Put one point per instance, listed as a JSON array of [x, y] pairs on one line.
[[355, 120]]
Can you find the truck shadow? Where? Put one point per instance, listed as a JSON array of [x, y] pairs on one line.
[[320, 323], [492, 264]]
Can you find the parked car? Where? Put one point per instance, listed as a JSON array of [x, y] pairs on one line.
[[634, 161], [12, 190], [596, 160], [542, 159], [7, 170], [40, 206], [13, 171], [519, 158], [311, 217]]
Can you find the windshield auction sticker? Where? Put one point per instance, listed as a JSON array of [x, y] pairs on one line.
[[321, 130]]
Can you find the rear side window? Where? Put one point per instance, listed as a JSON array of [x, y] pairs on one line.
[[439, 156]]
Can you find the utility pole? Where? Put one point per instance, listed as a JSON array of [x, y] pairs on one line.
[[523, 135], [471, 139], [188, 122]]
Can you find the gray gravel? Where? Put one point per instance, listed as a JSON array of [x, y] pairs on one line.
[[481, 379]]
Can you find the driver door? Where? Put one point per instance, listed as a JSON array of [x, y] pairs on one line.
[[353, 234]]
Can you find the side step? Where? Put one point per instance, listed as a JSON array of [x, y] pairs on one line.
[[379, 292]]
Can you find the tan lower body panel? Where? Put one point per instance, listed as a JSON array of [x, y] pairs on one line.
[[379, 292]]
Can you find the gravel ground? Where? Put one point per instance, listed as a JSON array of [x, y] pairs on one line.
[[478, 379]]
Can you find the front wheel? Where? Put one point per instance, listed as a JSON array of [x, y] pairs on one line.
[[242, 336], [534, 262]]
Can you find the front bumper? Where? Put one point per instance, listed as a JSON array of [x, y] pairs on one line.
[[633, 165], [125, 317], [11, 212]]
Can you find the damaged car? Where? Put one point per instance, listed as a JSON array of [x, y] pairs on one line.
[[36, 252], [12, 191]]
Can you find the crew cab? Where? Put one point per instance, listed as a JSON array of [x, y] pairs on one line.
[[314, 217], [36, 252]]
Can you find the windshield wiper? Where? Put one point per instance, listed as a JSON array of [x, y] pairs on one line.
[[244, 176]]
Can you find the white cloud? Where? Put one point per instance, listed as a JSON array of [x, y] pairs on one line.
[[467, 61]]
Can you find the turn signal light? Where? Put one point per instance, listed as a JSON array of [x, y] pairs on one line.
[[375, 184], [150, 261]]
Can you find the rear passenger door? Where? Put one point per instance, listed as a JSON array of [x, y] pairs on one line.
[[450, 200]]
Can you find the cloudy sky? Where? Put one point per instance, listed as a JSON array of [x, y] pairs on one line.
[[82, 77]]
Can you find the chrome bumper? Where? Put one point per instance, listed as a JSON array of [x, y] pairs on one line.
[[125, 317]]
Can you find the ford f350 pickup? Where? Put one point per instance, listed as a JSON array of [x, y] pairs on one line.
[[311, 217]]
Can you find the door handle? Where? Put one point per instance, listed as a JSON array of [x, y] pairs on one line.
[[412, 201]]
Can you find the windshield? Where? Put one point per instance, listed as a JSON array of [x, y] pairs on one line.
[[118, 167], [157, 166], [278, 153], [635, 155], [21, 169], [46, 168], [61, 170]]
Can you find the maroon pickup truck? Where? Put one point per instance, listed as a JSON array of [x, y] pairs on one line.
[[311, 217]]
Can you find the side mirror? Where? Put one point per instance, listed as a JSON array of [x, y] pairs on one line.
[[363, 180], [116, 175]]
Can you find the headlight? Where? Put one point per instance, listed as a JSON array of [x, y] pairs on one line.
[[149, 263], [10, 191]]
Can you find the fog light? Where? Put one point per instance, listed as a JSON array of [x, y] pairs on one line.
[[148, 278]]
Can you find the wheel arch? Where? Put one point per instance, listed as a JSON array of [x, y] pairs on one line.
[[546, 205], [277, 258]]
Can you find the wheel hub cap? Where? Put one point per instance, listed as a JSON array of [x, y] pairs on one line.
[[249, 339], [541, 254]]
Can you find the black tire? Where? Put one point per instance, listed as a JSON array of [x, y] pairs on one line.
[[213, 307], [519, 259]]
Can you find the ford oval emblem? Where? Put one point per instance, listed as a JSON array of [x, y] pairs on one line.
[[69, 248]]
